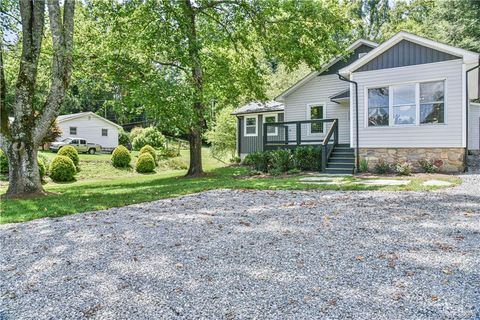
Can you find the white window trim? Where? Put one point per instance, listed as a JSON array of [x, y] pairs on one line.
[[309, 117], [70, 131], [417, 103], [391, 120], [276, 120], [101, 132], [245, 134]]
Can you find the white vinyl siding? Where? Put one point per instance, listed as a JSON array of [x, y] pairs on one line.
[[90, 128], [474, 127], [317, 92], [448, 134]]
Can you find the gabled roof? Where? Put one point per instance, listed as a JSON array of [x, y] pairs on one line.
[[68, 117], [254, 107], [313, 74], [467, 56]]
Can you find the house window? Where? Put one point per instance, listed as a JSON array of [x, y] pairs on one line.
[[432, 102], [271, 130], [404, 104], [250, 126], [378, 107], [409, 104], [73, 131], [104, 132], [316, 112]]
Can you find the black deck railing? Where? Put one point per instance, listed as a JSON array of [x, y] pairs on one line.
[[291, 134]]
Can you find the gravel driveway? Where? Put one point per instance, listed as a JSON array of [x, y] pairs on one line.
[[252, 254]]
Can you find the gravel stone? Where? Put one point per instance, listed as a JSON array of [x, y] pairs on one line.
[[243, 254]]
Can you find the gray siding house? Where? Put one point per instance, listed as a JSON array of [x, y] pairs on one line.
[[406, 99]]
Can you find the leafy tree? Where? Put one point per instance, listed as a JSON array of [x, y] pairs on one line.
[[20, 139], [369, 18], [176, 58], [123, 137], [222, 136]]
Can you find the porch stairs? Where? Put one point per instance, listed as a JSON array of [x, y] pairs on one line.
[[341, 161]]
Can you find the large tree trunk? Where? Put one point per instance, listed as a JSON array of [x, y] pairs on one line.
[[195, 167], [24, 177], [20, 139], [198, 123]]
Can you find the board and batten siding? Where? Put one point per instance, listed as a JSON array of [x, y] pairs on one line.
[[90, 128], [449, 134], [317, 91], [474, 127], [253, 144]]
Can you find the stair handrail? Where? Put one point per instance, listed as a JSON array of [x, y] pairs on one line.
[[325, 152]]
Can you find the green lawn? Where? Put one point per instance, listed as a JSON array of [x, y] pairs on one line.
[[100, 186]]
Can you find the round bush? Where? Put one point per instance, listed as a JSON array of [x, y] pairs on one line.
[[149, 149], [62, 169], [42, 169], [121, 157], [145, 163], [3, 163], [71, 152]]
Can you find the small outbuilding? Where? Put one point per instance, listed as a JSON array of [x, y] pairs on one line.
[[89, 126]]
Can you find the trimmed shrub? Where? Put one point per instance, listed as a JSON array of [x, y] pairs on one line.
[[71, 152], [403, 169], [382, 167], [363, 165], [121, 157], [307, 158], [42, 169], [3, 163], [149, 149], [259, 161], [62, 169], [429, 166], [145, 163], [282, 161]]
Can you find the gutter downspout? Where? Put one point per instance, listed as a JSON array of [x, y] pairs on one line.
[[357, 148], [239, 135], [465, 159]]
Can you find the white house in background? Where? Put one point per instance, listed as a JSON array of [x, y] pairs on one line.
[[89, 126]]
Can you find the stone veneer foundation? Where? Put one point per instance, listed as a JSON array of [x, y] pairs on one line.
[[450, 160]]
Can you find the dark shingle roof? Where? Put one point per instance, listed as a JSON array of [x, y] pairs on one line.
[[254, 107], [344, 94]]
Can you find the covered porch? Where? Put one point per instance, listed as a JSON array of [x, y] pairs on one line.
[[319, 133]]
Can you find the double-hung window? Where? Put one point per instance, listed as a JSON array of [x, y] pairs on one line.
[[378, 107], [316, 112], [404, 104], [271, 130], [250, 126], [407, 104], [432, 102]]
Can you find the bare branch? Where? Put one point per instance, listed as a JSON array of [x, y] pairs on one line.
[[11, 16], [62, 37], [171, 64]]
